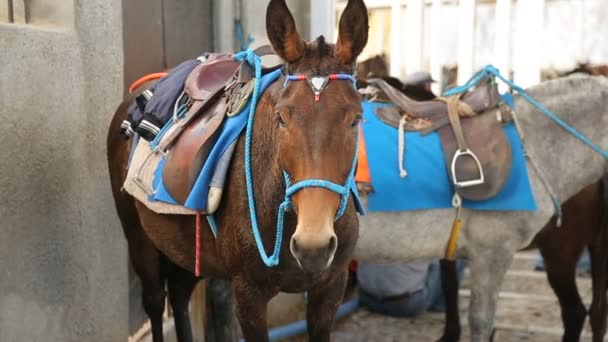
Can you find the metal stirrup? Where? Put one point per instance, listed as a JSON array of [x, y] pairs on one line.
[[453, 103]]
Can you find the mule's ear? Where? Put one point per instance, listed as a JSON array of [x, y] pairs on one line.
[[282, 33], [352, 34]]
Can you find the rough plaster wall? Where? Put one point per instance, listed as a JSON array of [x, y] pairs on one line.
[[62, 253]]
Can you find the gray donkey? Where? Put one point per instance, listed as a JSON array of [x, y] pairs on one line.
[[490, 239]]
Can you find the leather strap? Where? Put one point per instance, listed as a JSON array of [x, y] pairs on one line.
[[479, 99], [454, 116]]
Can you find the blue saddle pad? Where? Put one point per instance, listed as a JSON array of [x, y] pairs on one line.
[[230, 131], [427, 185]]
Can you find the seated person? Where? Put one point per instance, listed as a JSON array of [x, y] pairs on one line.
[[403, 289]]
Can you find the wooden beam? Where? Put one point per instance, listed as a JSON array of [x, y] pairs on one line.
[[6, 11], [502, 43], [581, 56], [435, 58], [19, 12], [529, 49], [396, 62], [466, 39], [414, 22], [198, 307]]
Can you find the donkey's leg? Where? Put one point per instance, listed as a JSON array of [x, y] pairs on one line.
[[599, 276], [251, 303], [488, 268], [323, 302], [560, 265], [449, 284], [180, 284]]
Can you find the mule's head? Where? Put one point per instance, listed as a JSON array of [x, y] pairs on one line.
[[317, 136]]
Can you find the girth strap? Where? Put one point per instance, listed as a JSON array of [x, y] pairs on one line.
[[455, 109]]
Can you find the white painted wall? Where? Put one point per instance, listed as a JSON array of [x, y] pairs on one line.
[[565, 38]]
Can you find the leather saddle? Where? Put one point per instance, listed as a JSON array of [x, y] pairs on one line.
[[476, 150], [218, 86]]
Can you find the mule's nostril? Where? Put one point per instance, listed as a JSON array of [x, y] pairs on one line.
[[294, 246], [333, 244]]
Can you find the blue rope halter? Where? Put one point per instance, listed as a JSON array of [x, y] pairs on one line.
[[343, 190]]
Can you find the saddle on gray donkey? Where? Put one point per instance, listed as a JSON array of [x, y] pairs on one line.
[[476, 149]]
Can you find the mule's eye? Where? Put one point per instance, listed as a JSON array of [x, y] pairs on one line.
[[279, 119], [356, 121]]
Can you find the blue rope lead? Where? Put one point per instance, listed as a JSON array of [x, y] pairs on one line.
[[490, 70], [344, 191], [250, 57]]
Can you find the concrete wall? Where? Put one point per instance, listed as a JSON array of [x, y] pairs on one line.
[[63, 256]]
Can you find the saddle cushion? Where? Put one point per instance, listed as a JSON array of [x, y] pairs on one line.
[[428, 185]]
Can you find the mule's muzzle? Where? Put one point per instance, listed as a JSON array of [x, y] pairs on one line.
[[314, 259]]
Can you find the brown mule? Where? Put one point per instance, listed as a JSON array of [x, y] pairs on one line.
[[294, 133], [585, 224]]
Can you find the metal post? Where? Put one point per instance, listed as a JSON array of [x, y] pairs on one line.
[[223, 26], [413, 35]]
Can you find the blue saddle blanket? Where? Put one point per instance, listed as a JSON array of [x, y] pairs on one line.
[[427, 185]]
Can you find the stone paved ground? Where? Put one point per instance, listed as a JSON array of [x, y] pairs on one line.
[[527, 311]]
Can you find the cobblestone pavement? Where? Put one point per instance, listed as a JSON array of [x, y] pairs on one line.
[[527, 311]]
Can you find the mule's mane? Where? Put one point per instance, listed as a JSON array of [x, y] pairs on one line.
[[318, 59], [572, 85]]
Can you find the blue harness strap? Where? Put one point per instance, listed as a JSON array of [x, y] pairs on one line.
[[490, 70], [343, 190]]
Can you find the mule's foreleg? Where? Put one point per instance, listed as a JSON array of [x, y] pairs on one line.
[[599, 276], [180, 284], [488, 268], [251, 304], [561, 273], [323, 302]]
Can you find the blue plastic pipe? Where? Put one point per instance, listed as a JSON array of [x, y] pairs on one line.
[[299, 327]]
